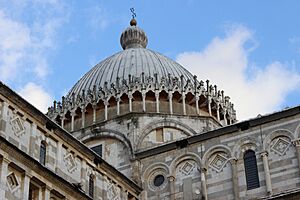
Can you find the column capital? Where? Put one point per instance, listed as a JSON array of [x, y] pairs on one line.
[[106, 103], [83, 109], [233, 161], [73, 113], [26, 174], [296, 142], [47, 187], [264, 154], [5, 103], [202, 169], [6, 160], [171, 178]]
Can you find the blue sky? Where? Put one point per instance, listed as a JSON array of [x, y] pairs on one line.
[[251, 49]]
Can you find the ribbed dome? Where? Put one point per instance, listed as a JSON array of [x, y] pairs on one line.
[[132, 61]]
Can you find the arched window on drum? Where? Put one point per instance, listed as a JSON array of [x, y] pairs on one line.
[[251, 171]]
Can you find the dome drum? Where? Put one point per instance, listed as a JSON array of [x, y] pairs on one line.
[[170, 95]]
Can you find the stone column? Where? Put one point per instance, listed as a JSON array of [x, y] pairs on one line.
[[209, 104], [94, 112], [170, 102], [144, 100], [46, 192], [33, 131], [136, 172], [130, 101], [106, 109], [72, 119], [235, 181], [172, 187], [218, 112], [118, 105], [183, 103], [157, 100], [83, 117], [296, 143], [3, 174], [25, 186], [84, 176], [4, 110], [197, 105], [58, 156], [203, 183], [40, 193], [62, 117], [47, 140], [264, 156], [4, 120], [124, 194], [224, 114], [230, 120]]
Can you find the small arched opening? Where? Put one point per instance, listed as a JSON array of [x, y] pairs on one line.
[[150, 101], [190, 104], [137, 102], [177, 103], [124, 104], [163, 102]]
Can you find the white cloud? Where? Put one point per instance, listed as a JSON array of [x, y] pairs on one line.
[[254, 90], [25, 45], [36, 95], [22, 50], [14, 39]]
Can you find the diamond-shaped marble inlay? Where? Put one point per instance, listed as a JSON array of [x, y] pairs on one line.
[[113, 192], [17, 126], [70, 162], [12, 181], [187, 168], [280, 146], [218, 162]]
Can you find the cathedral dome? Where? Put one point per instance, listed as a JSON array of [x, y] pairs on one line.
[[139, 80]]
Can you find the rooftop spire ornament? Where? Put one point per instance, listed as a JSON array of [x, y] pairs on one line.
[[133, 22], [133, 13]]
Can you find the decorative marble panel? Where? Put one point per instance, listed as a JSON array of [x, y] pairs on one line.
[[280, 146], [187, 168], [70, 163], [17, 126], [12, 182], [113, 192], [218, 162]]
